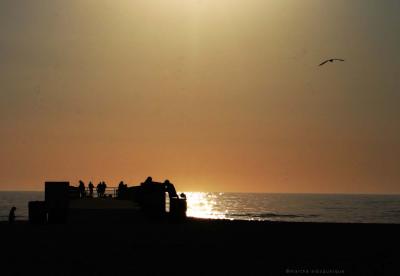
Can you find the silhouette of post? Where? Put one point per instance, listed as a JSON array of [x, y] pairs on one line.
[[37, 212], [57, 201]]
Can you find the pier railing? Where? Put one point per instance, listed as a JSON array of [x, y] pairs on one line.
[[108, 192]]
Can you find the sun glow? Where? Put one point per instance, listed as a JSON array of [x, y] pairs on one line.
[[202, 205]]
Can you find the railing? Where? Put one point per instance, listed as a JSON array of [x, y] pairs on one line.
[[108, 192]]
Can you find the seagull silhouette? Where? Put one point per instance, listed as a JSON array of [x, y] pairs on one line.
[[331, 60]]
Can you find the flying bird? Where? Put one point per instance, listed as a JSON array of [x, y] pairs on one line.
[[331, 60]]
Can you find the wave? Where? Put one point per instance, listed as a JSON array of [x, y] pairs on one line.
[[273, 215]]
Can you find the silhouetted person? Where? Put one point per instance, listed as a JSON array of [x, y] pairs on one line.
[[81, 189], [103, 188], [91, 186], [148, 180], [11, 215], [121, 188], [98, 189], [170, 189]]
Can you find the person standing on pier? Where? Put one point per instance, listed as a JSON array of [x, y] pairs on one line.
[[82, 189], [91, 186], [98, 189], [103, 189], [121, 189]]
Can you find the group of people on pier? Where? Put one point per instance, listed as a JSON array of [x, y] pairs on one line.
[[100, 188]]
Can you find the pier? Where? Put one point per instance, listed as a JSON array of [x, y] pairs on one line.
[[65, 203]]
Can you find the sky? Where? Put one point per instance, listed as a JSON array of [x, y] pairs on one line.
[[220, 95]]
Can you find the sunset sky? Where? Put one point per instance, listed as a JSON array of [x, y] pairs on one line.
[[214, 95]]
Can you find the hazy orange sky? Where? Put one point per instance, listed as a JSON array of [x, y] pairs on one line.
[[215, 95]]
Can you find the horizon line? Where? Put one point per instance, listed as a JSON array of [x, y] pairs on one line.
[[233, 192]]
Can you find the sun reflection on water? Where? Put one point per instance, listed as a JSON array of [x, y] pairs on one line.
[[203, 205]]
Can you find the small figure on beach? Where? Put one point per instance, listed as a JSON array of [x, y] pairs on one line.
[[11, 216], [91, 186], [82, 192]]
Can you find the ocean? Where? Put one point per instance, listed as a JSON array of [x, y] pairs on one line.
[[253, 206]]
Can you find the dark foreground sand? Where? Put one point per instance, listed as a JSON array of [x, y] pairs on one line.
[[200, 247]]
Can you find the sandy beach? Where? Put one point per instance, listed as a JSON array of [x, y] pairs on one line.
[[200, 247]]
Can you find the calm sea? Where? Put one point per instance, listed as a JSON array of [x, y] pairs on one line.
[[274, 207]]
